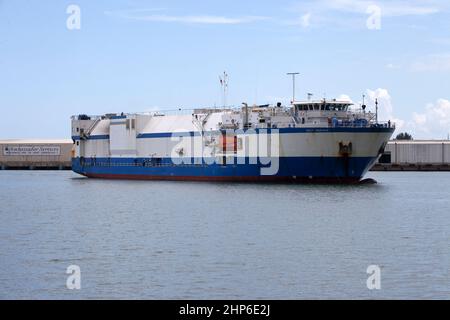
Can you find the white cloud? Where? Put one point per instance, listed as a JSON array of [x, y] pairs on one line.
[[419, 119], [355, 12], [431, 123], [344, 97], [440, 41], [133, 11], [385, 107], [392, 8], [200, 19], [143, 15], [434, 62], [393, 66], [305, 20], [434, 122]]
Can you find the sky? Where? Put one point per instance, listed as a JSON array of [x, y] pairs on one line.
[[60, 58]]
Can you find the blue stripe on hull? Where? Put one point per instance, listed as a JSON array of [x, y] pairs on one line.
[[268, 131], [290, 168]]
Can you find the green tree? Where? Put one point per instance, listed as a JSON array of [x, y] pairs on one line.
[[404, 136]]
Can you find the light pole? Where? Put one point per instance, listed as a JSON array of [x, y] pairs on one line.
[[293, 74]]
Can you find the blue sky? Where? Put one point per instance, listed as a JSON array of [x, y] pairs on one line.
[[145, 55]]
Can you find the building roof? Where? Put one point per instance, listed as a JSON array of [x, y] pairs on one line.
[[36, 141]]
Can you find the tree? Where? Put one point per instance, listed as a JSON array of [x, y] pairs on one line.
[[404, 136]]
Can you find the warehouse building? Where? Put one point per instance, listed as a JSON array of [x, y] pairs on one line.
[[35, 154], [420, 155]]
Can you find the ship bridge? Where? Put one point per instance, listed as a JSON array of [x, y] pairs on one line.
[[334, 113], [322, 105]]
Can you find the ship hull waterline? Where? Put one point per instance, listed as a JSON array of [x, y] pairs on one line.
[[317, 170]]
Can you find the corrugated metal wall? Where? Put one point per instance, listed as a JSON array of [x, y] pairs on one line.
[[419, 152]]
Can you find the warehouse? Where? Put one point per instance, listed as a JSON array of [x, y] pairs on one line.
[[35, 154], [421, 155]]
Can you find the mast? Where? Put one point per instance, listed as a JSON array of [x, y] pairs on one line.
[[246, 125], [224, 84], [293, 74], [376, 110]]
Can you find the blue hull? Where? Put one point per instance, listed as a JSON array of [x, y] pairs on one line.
[[292, 169]]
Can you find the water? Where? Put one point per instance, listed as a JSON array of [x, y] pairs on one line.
[[172, 240]]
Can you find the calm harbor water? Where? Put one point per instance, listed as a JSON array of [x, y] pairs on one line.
[[173, 240]]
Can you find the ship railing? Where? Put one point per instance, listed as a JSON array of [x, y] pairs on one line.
[[180, 111], [362, 123], [87, 117], [168, 112], [183, 111], [383, 124]]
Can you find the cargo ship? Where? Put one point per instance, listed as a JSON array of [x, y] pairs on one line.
[[320, 141]]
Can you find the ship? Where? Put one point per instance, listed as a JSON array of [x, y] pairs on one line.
[[313, 141]]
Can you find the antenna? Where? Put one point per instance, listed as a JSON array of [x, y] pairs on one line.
[[246, 124], [376, 110], [293, 74], [363, 103], [224, 84]]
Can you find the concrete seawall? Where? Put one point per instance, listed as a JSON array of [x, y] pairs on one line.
[[36, 166], [410, 167]]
